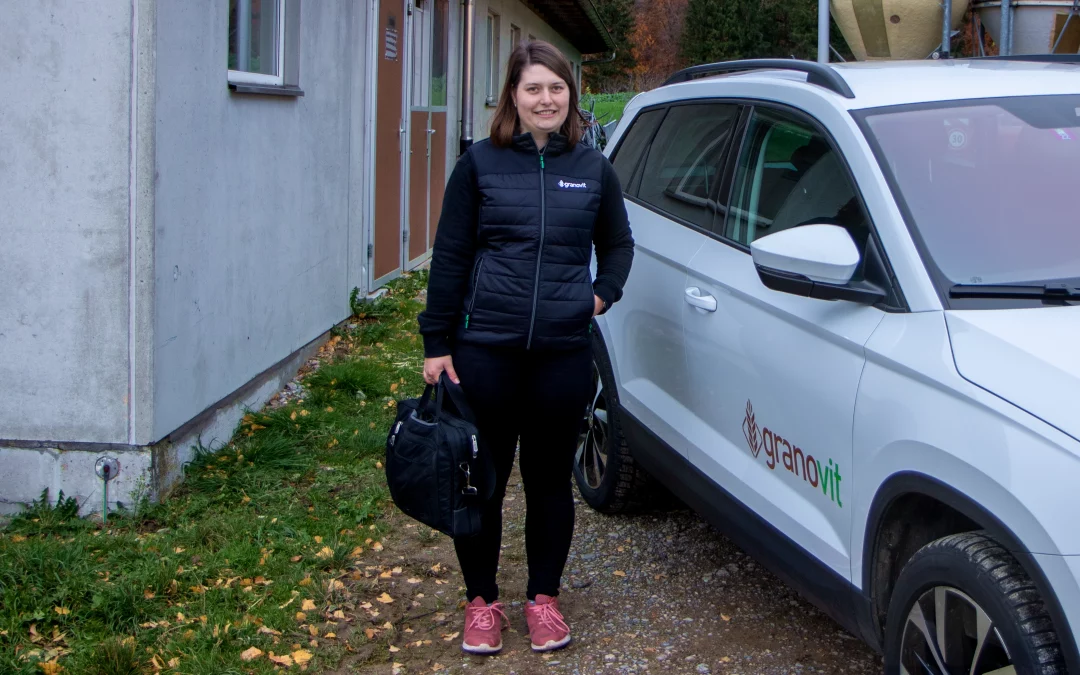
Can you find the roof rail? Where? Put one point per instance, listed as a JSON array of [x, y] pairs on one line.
[[817, 73]]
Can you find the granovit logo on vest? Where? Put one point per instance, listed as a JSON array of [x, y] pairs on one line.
[[577, 186], [780, 451]]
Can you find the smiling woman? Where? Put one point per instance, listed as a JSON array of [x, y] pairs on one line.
[[511, 301], [538, 96]]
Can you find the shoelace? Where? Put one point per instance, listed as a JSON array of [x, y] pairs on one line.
[[550, 617], [484, 617]]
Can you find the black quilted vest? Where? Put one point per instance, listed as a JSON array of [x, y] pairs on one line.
[[530, 285]]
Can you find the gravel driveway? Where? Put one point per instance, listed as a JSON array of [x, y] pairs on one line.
[[649, 593]]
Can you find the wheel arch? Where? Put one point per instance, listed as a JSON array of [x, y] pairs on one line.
[[915, 490]]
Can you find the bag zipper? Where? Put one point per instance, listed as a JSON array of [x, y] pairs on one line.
[[475, 447], [476, 284], [539, 252]]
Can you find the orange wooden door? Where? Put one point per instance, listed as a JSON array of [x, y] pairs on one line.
[[389, 122]]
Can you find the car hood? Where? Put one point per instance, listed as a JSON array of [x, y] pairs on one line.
[[1025, 356]]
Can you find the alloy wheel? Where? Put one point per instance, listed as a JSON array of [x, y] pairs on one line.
[[592, 454], [948, 633]]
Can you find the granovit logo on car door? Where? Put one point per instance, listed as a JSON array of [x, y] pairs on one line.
[[780, 451]]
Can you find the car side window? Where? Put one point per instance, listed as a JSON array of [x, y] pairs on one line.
[[682, 170], [788, 175], [628, 156]]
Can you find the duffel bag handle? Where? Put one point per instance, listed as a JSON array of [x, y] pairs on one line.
[[457, 395]]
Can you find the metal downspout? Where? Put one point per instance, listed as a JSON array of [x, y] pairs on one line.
[[467, 77]]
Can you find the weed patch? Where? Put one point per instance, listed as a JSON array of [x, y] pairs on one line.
[[263, 527]]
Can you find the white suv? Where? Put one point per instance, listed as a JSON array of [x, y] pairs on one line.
[[845, 340]]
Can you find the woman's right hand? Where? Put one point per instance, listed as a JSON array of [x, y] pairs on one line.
[[434, 367]]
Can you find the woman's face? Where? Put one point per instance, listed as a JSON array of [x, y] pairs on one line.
[[542, 99]]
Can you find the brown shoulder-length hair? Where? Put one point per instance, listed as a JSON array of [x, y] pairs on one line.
[[505, 122]]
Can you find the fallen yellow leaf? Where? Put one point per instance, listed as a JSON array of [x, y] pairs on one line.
[[725, 617], [281, 660], [413, 580], [306, 581], [325, 552], [394, 649], [335, 585], [293, 415], [377, 546], [385, 599], [338, 614], [174, 662], [300, 616], [451, 636], [304, 413], [356, 552], [307, 606], [388, 626], [301, 656], [251, 654], [61, 610], [393, 387], [51, 668], [313, 630], [318, 539], [620, 573], [148, 594], [268, 631]]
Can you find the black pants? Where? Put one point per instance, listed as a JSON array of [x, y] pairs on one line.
[[541, 398]]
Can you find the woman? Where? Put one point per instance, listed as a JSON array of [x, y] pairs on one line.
[[509, 314]]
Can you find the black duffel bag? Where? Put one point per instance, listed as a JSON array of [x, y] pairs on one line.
[[435, 468]]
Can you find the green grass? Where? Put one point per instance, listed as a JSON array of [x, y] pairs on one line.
[[607, 107], [259, 526]]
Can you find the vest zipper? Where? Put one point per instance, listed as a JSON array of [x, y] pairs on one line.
[[539, 253], [476, 284]]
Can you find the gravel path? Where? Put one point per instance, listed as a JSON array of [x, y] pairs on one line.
[[648, 593]]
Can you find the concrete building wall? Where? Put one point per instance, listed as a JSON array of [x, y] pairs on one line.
[[510, 12], [254, 223], [66, 177]]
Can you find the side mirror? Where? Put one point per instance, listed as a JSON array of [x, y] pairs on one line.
[[814, 261]]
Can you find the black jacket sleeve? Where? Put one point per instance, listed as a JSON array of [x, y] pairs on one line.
[[613, 240], [451, 260]]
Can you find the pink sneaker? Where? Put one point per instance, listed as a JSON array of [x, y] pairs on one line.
[[547, 629], [483, 627]]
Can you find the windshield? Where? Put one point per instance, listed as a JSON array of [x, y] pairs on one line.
[[991, 187]]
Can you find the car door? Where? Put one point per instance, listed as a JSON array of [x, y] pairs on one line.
[[668, 163], [773, 376]]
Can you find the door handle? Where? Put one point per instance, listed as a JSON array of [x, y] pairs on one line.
[[694, 297]]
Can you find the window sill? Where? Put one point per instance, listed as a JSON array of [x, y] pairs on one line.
[[266, 89]]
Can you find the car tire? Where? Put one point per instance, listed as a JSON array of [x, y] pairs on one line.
[[962, 582], [608, 478]]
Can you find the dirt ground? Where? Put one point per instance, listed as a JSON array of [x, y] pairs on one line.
[[648, 593]]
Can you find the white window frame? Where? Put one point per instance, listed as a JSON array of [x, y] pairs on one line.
[[245, 77]]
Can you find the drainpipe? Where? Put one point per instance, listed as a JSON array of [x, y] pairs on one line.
[[467, 77], [823, 31]]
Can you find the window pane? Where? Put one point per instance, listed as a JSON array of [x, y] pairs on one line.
[[439, 55], [254, 36], [631, 149], [789, 175], [682, 170]]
